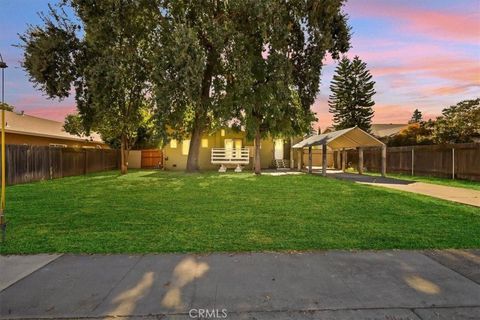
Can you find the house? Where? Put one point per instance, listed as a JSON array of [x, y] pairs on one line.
[[380, 130], [25, 129], [230, 148]]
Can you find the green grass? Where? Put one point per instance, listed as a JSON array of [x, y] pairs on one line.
[[475, 185], [153, 211]]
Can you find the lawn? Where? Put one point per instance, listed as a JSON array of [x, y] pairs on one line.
[[155, 211]]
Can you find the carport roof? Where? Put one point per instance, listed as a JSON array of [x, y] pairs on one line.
[[346, 138]]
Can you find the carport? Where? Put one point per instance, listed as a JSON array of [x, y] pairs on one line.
[[351, 138]]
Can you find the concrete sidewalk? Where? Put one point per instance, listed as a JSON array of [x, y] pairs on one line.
[[315, 285], [460, 195]]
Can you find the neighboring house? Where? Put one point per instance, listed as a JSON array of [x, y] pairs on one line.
[[380, 130], [24, 129], [230, 147]]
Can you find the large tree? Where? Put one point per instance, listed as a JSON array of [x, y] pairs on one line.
[[103, 52], [458, 123], [352, 89], [276, 57], [189, 71], [255, 63]]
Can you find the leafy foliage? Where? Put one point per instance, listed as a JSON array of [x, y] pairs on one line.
[[50, 53], [414, 134], [458, 123], [276, 63], [107, 64], [255, 64], [6, 106], [352, 91]]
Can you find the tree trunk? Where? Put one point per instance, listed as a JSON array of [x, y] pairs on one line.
[[194, 149], [257, 161], [123, 155], [201, 115]]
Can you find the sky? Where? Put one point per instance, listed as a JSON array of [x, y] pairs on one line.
[[422, 54]]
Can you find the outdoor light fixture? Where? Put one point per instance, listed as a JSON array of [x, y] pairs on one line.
[[3, 223]]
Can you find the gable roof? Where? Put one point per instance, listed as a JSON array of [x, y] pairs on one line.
[[34, 126], [380, 130], [346, 138]]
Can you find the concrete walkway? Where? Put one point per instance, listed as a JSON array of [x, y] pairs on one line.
[[460, 195], [14, 268], [317, 285]]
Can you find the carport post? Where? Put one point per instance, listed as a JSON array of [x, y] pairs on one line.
[[324, 159], [360, 160], [344, 159], [300, 159], [384, 160], [310, 159]]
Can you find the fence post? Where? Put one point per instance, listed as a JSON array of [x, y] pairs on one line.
[[453, 163], [310, 159], [413, 160], [384, 160], [50, 170], [103, 159], [360, 160], [85, 162], [61, 162]]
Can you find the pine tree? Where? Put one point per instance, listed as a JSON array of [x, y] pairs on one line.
[[416, 117], [351, 98]]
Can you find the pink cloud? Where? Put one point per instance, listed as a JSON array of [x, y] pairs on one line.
[[397, 114], [52, 113], [463, 69], [434, 23]]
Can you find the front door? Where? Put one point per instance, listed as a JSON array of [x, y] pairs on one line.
[[278, 149], [233, 147]]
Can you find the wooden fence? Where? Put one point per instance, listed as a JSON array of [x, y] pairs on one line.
[[26, 163], [458, 161]]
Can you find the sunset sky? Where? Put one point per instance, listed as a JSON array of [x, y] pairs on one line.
[[422, 54]]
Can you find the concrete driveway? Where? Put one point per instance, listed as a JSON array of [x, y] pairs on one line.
[[313, 285], [460, 195]]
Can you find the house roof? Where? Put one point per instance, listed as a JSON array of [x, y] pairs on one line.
[[346, 138], [380, 130], [34, 126]]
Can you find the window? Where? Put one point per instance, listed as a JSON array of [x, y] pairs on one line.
[[185, 147], [204, 143], [173, 144], [222, 132]]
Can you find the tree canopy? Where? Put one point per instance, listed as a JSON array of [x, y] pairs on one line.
[[103, 53], [417, 117], [352, 90], [193, 66], [458, 123]]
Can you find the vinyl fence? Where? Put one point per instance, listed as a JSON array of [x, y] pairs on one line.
[[458, 161], [26, 163]]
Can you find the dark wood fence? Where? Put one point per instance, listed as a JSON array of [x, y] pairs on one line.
[[459, 161], [26, 163]]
